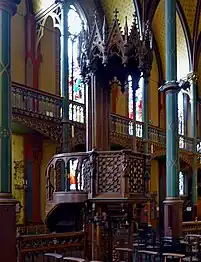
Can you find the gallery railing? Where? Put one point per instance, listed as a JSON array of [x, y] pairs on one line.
[[33, 247], [33, 102], [124, 127]]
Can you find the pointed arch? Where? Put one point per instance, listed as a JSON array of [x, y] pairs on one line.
[[186, 32]]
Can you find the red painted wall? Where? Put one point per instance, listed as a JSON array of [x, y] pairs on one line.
[[32, 156]]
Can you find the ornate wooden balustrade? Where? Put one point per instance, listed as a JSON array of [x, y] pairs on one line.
[[35, 102], [41, 111], [33, 247], [123, 128]]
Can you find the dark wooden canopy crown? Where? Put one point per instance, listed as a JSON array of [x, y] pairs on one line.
[[122, 52]]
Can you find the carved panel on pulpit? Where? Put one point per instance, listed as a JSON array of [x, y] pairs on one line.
[[109, 172], [136, 174]]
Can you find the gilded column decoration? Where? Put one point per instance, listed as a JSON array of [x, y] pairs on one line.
[[7, 203]]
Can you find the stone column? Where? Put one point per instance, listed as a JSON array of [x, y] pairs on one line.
[[192, 77], [172, 204], [7, 203], [145, 120]]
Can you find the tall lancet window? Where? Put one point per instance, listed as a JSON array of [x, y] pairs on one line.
[[181, 126], [181, 183], [138, 97], [130, 98], [138, 105], [180, 113], [76, 86]]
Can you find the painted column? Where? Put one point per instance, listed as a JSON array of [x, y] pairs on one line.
[[193, 81], [145, 85], [64, 83], [172, 204], [7, 204]]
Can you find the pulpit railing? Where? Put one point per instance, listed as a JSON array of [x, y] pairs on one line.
[[68, 172], [33, 247], [117, 173]]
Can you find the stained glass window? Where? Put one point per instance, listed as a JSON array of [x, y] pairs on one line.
[[138, 97], [76, 86], [181, 183], [130, 98], [76, 180], [138, 106], [181, 118]]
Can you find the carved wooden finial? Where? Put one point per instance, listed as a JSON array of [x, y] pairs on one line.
[[135, 19], [126, 29], [104, 31], [95, 16]]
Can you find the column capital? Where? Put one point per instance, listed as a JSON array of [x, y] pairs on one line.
[[9, 5], [192, 76], [170, 86]]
